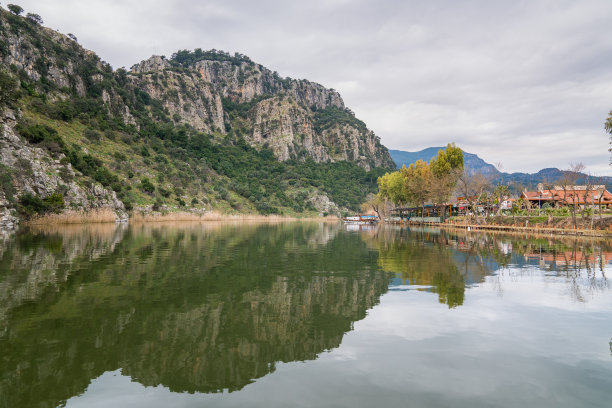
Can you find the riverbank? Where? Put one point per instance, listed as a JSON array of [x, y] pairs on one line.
[[558, 226], [107, 215]]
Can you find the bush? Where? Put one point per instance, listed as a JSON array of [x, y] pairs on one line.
[[147, 186], [92, 135], [9, 92], [38, 133], [6, 183], [157, 205], [30, 204]]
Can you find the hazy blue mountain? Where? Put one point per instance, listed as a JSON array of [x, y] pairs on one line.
[[477, 165], [472, 161]]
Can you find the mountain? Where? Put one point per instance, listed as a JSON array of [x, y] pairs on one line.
[[203, 129], [475, 165], [471, 161]]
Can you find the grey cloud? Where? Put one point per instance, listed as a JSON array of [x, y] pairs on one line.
[[525, 83]]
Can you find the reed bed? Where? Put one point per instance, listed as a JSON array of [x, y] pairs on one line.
[[93, 216], [216, 216], [107, 215]]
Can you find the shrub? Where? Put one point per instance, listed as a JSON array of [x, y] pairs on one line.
[[30, 204], [38, 133], [92, 135], [147, 186], [157, 205], [6, 183], [8, 89]]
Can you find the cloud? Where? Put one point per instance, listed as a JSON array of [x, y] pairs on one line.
[[525, 83]]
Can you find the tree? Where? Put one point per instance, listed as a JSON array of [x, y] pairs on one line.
[[35, 18], [379, 205], [418, 183], [608, 127], [501, 192], [8, 89], [392, 187], [568, 185], [472, 187], [15, 9], [424, 182], [446, 169]]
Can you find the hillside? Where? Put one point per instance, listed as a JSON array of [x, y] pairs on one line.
[[202, 129], [475, 164]]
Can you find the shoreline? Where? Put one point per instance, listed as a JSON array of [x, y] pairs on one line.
[[108, 216], [517, 229]]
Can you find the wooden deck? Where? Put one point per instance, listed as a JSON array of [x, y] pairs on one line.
[[529, 230]]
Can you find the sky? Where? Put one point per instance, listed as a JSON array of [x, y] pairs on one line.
[[527, 84]]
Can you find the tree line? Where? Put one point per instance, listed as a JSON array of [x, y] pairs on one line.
[[420, 183]]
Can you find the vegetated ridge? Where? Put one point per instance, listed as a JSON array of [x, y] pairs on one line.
[[202, 129], [475, 164]]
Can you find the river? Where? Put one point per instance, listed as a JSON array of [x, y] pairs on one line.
[[302, 314]]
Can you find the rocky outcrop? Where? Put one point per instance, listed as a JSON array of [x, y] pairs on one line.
[[287, 128], [324, 205], [35, 171], [186, 98], [22, 41]]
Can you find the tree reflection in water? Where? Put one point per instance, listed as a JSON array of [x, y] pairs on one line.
[[212, 307], [448, 261]]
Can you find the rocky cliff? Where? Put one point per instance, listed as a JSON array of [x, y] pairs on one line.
[[267, 110], [201, 128]]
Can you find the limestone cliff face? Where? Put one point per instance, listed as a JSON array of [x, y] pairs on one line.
[[22, 52], [288, 129], [247, 80], [281, 114], [185, 97]]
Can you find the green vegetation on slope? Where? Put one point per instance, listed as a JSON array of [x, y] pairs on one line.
[[153, 158]]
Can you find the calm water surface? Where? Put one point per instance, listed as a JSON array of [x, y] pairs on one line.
[[302, 315]]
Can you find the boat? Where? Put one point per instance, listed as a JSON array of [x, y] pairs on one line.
[[360, 219]]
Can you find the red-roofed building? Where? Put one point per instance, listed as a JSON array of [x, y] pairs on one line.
[[577, 195]]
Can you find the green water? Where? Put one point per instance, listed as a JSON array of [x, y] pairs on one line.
[[302, 315]]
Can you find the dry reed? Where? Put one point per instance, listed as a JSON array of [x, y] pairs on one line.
[[216, 216], [97, 215]]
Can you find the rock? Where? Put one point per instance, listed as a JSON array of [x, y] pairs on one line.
[[153, 64], [323, 204], [8, 222]]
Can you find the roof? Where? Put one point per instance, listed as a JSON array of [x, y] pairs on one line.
[[574, 196]]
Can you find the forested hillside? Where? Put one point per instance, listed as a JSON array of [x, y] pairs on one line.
[[201, 129]]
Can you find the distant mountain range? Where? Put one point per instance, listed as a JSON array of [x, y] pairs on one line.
[[477, 165]]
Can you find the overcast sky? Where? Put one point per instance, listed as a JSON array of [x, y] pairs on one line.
[[524, 83]]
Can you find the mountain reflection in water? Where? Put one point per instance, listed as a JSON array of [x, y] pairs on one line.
[[198, 309], [204, 308]]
